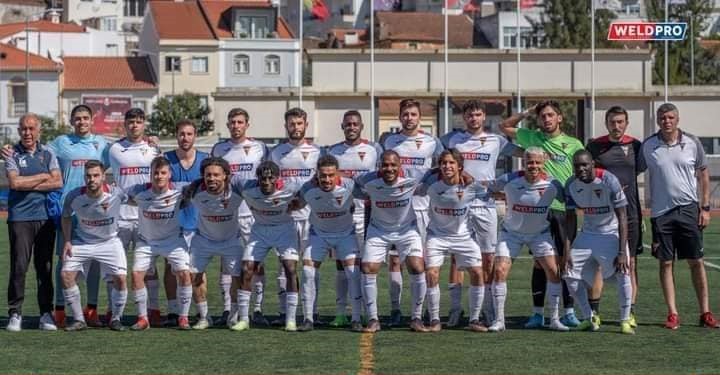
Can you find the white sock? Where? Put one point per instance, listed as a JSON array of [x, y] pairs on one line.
[[153, 293], [243, 303], [369, 282], [119, 299], [352, 278], [225, 283], [433, 301], [184, 293], [499, 293], [72, 299], [292, 303], [341, 292], [624, 294], [487, 305], [202, 309], [308, 291], [282, 291], [317, 291], [396, 286], [554, 293], [578, 289], [418, 289], [455, 291], [477, 295], [258, 282], [109, 290], [172, 305], [569, 310], [141, 302]]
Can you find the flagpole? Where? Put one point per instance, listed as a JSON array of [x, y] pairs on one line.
[[592, 69], [517, 41], [372, 69], [445, 84], [300, 55], [666, 55]]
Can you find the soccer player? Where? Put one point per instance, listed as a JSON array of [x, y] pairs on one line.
[[418, 152], [244, 155], [560, 149], [392, 223], [130, 158], [159, 234], [617, 153], [96, 207], [355, 156], [449, 232], [271, 200], [480, 150], [297, 158], [602, 244], [529, 194], [330, 198], [675, 161], [185, 162], [217, 205]]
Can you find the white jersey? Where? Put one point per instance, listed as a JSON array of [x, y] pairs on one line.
[[217, 214], [480, 154], [391, 205], [96, 217], [417, 156], [450, 205], [355, 160], [527, 204], [331, 212], [130, 163], [243, 157], [159, 212], [270, 209], [297, 165], [598, 200]]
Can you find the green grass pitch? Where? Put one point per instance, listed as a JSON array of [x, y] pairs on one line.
[[654, 350]]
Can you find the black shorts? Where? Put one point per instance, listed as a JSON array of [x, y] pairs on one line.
[[635, 243], [676, 234], [557, 230]]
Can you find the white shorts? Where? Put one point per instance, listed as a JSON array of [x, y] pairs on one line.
[[188, 235], [202, 250], [590, 251], [510, 244], [110, 254], [359, 222], [422, 219], [128, 233], [466, 251], [245, 224], [345, 248], [265, 237], [483, 222], [174, 250], [407, 243], [302, 228]]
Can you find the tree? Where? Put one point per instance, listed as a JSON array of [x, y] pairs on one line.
[[50, 130], [169, 110], [707, 66], [566, 24]]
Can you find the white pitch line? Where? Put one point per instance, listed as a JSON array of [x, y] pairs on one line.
[[712, 265]]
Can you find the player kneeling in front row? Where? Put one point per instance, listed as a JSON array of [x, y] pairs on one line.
[[96, 207], [330, 198], [271, 201], [528, 193], [160, 234], [603, 241], [448, 232]]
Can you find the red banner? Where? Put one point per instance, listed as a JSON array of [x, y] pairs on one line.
[[108, 113]]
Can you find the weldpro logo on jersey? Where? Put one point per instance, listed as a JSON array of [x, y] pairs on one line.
[[392, 204], [266, 212], [98, 223], [596, 210], [450, 211], [475, 156], [296, 173], [128, 171], [350, 173], [329, 215], [412, 161], [218, 218], [529, 209], [78, 162], [157, 215], [244, 167], [558, 158]]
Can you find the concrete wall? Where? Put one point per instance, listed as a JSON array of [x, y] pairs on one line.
[[257, 50], [266, 115], [78, 10], [43, 98], [91, 43], [73, 97], [203, 84]]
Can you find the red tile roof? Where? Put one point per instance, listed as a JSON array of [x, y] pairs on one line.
[[42, 26], [179, 20], [425, 27], [13, 59], [108, 73]]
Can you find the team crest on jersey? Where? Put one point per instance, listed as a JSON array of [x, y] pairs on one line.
[[401, 188], [598, 192], [144, 151], [97, 145], [167, 201], [482, 141], [104, 206], [246, 149], [339, 200], [361, 154], [275, 201], [625, 149], [541, 191], [460, 193], [418, 143], [564, 145], [225, 203], [304, 155]]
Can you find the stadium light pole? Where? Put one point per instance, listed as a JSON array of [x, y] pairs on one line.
[[372, 70], [446, 125], [517, 42], [691, 20], [299, 68], [592, 69], [27, 52], [666, 53]]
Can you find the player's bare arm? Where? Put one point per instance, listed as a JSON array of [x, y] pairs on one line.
[[622, 261], [510, 124], [703, 177]]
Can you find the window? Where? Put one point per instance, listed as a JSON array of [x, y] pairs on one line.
[[108, 23], [111, 50], [142, 104], [203, 101], [251, 27], [172, 63], [17, 97], [527, 38], [134, 8], [711, 145], [272, 64], [199, 64], [241, 64]]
